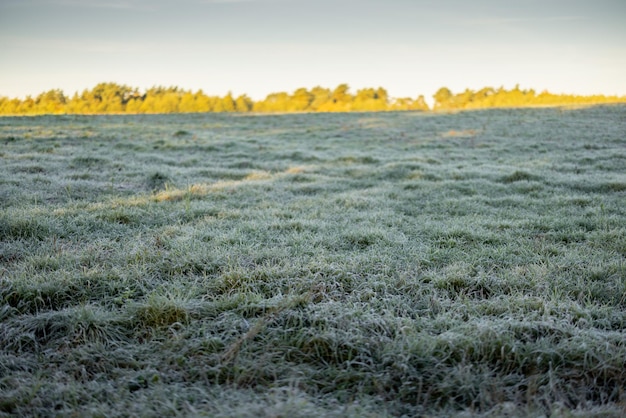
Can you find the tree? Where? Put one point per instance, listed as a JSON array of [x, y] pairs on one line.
[[340, 100], [9, 106], [321, 96], [243, 103], [51, 102], [464, 99], [106, 98], [187, 103], [300, 100], [341, 95], [442, 98], [133, 105], [168, 102], [27, 106], [420, 104], [203, 102], [382, 95], [371, 100], [226, 104]]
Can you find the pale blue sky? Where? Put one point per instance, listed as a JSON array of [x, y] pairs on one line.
[[410, 47]]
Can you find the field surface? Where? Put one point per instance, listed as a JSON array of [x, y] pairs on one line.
[[381, 264]]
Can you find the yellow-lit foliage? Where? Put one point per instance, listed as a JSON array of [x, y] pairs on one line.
[[489, 97], [115, 98]]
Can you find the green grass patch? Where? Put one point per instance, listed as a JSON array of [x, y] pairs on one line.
[[467, 264]]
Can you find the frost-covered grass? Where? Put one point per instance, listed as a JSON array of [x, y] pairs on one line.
[[466, 264]]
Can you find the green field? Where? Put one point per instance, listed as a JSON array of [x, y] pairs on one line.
[[379, 264]]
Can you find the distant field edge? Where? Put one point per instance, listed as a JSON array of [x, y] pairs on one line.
[[565, 106]]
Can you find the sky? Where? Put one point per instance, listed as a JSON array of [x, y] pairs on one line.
[[256, 47]]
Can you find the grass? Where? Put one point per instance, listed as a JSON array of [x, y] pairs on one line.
[[467, 264]]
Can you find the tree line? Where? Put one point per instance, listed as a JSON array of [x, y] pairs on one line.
[[490, 97], [112, 98]]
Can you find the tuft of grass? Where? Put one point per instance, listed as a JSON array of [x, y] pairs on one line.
[[87, 162], [258, 175], [519, 176], [17, 226], [157, 181], [161, 310]]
